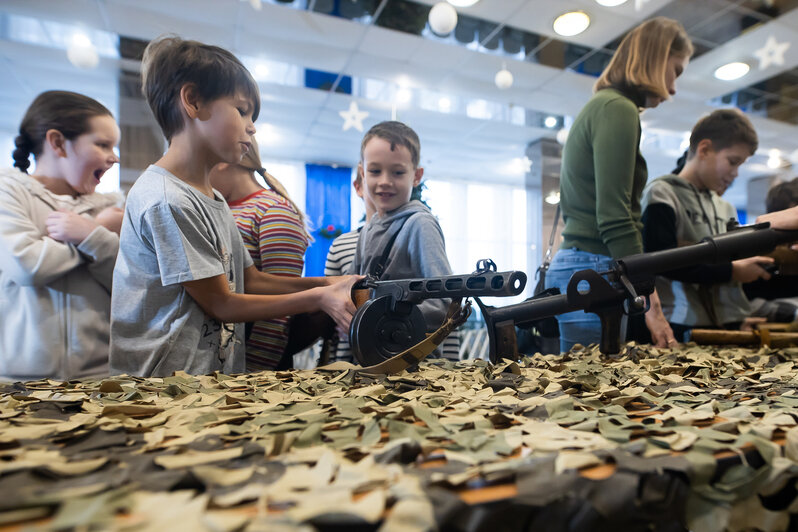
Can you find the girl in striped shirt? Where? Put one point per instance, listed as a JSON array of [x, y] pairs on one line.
[[274, 233]]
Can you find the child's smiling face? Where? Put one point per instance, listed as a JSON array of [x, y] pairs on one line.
[[388, 175]]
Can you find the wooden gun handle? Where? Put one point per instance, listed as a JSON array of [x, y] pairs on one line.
[[360, 296]]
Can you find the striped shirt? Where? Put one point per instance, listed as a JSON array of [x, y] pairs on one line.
[[341, 254], [339, 259], [275, 237]]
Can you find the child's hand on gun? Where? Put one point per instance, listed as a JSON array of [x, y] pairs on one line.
[[69, 227], [336, 300]]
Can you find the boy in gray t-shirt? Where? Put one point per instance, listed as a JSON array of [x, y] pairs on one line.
[[174, 233], [183, 277]]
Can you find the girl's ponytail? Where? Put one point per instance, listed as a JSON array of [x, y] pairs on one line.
[[22, 152], [251, 161]]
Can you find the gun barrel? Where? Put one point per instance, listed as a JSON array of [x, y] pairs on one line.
[[486, 284], [532, 310], [731, 246]]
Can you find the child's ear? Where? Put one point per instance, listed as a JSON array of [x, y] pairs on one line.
[[358, 182], [190, 100], [55, 139], [418, 176], [704, 147]]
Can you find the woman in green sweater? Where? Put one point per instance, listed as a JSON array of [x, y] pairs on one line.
[[603, 172]]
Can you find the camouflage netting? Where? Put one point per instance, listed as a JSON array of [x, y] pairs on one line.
[[698, 438]]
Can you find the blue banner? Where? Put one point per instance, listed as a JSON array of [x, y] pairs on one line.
[[327, 207]]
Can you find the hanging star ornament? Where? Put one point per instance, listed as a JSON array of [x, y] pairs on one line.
[[526, 162], [772, 53], [353, 117]]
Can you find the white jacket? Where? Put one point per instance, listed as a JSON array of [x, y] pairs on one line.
[[55, 298]]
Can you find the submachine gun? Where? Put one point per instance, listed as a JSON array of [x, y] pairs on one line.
[[390, 322]]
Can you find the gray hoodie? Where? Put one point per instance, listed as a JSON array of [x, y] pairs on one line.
[[698, 214], [418, 251]]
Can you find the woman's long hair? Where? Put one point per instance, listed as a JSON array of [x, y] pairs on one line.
[[641, 58]]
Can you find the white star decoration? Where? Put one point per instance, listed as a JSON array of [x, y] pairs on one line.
[[772, 53], [353, 117], [526, 162]]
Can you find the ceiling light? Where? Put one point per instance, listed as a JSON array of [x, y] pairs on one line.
[[80, 39], [571, 23], [261, 72], [610, 3], [552, 198], [732, 71], [562, 136], [503, 79], [403, 95], [81, 52], [445, 104], [550, 121], [442, 18], [462, 3]]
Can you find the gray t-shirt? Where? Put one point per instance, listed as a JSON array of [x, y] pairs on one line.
[[172, 233]]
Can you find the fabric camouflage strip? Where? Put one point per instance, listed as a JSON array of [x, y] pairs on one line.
[[698, 437]]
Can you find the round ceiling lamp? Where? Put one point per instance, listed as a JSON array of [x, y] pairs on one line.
[[442, 18], [503, 78], [403, 95], [571, 23], [610, 3], [732, 71], [553, 197], [82, 53], [462, 3]]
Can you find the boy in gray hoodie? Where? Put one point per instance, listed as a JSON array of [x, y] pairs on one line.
[[405, 228], [684, 207]]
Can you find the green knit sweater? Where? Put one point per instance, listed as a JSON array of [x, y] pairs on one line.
[[602, 178]]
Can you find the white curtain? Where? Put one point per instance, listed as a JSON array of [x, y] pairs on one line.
[[483, 221]]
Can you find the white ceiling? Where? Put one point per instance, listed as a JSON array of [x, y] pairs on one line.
[[306, 123]]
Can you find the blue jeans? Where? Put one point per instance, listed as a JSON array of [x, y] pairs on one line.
[[578, 327]]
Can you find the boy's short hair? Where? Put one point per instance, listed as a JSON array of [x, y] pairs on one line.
[[396, 133], [782, 196], [725, 128], [170, 62]]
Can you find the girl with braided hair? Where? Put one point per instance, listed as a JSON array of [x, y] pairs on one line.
[[275, 234], [57, 252]]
